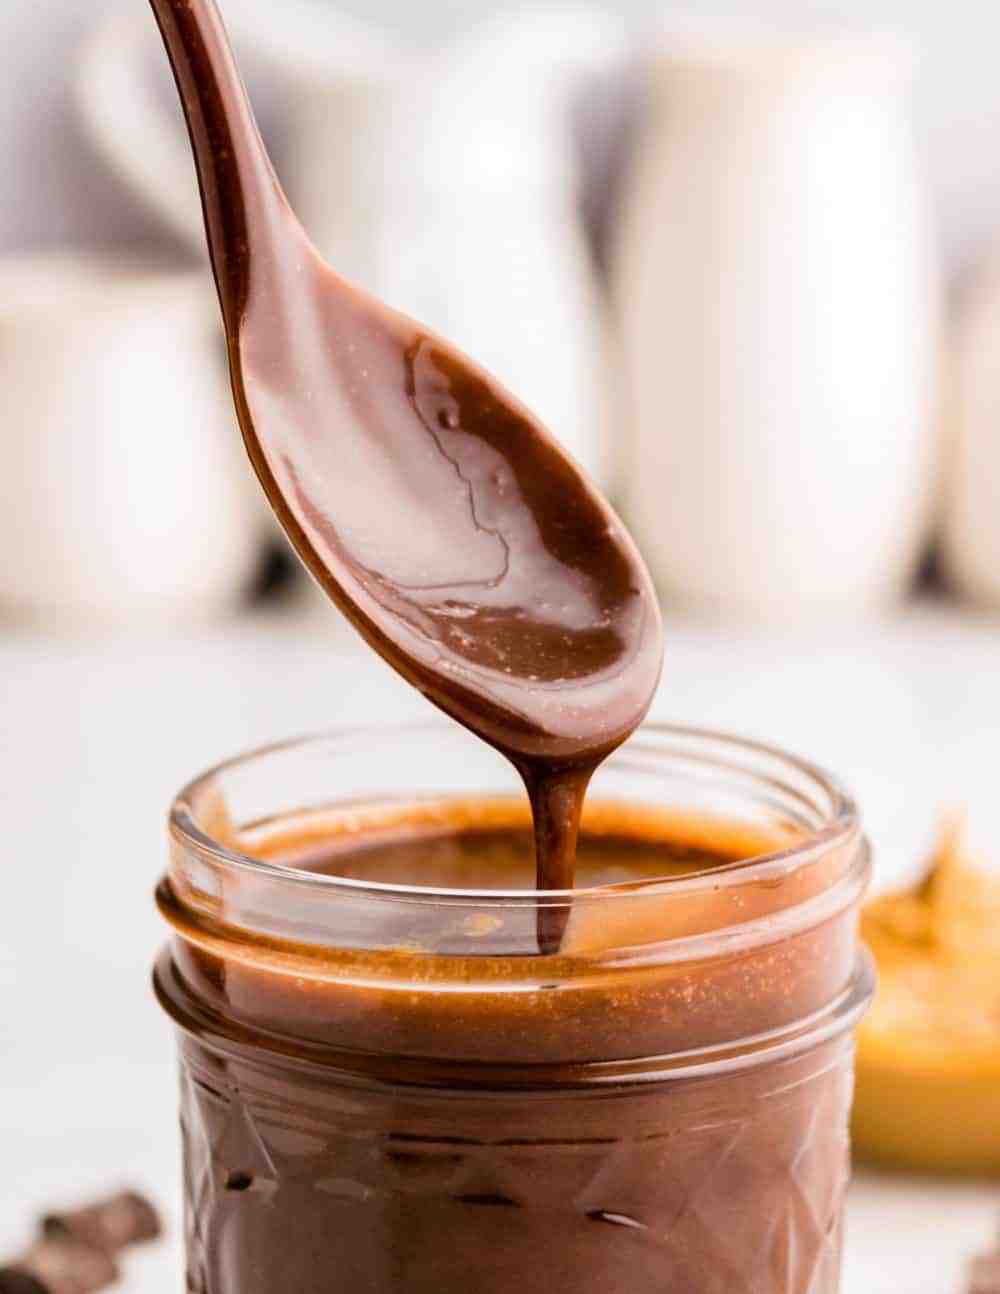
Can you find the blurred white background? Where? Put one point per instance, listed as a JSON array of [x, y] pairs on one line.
[[58, 194]]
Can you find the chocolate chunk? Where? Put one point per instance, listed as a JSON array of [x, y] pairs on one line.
[[15, 1282], [62, 1266], [109, 1225]]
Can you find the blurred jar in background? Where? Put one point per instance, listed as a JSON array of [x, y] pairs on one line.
[[971, 532], [463, 208], [125, 492], [778, 305]]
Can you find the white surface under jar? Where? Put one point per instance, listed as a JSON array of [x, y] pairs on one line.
[[778, 309]]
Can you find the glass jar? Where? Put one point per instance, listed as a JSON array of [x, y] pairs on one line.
[[387, 1090]]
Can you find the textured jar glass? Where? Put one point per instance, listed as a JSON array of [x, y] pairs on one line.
[[387, 1090]]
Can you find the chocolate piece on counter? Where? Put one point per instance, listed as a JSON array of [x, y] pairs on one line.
[[15, 1282], [59, 1266], [984, 1274], [111, 1225]]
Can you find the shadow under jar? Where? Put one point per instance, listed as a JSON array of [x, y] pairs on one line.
[[385, 1089]]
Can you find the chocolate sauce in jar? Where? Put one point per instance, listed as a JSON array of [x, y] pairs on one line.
[[393, 1083], [417, 1104]]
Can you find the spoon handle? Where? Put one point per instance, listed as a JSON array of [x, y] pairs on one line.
[[234, 169]]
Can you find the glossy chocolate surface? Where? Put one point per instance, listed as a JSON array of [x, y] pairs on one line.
[[443, 520]]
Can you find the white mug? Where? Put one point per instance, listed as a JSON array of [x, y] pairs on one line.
[[125, 490], [332, 73], [466, 219], [778, 298]]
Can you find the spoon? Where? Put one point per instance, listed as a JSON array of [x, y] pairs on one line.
[[441, 518]]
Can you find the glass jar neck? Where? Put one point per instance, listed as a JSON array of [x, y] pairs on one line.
[[757, 949]]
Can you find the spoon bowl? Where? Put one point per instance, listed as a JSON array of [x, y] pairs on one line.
[[434, 509]]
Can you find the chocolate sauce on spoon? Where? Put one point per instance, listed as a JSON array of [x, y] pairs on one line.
[[436, 512]]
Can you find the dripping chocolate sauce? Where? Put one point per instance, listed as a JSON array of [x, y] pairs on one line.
[[432, 507]]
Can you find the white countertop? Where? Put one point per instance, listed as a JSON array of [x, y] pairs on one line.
[[98, 734]]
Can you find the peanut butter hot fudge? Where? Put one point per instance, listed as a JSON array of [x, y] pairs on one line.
[[438, 1037], [387, 1088]]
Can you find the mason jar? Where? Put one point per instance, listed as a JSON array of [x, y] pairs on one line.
[[387, 1089]]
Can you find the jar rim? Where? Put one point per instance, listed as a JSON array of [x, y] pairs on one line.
[[841, 824]]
